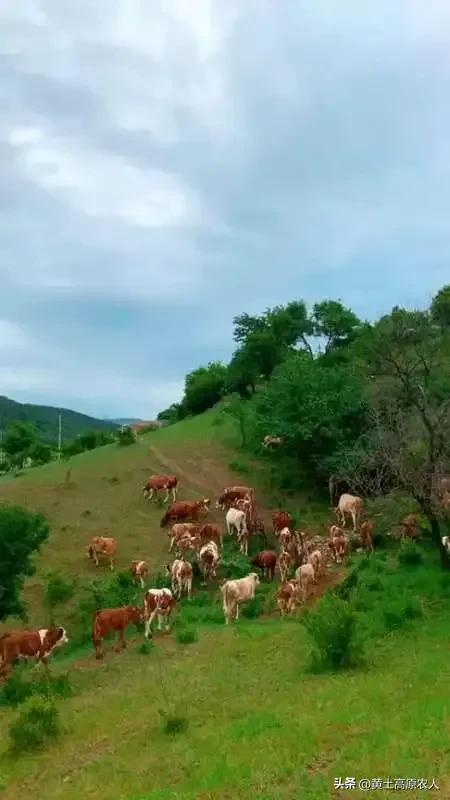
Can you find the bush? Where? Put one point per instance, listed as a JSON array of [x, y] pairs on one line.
[[336, 641], [126, 436], [186, 635], [173, 724], [399, 612], [144, 648], [58, 591], [17, 689], [36, 725], [254, 607], [410, 555]]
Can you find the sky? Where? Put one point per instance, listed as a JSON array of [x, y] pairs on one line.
[[168, 164]]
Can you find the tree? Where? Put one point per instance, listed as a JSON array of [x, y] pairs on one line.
[[126, 436], [21, 534], [204, 387], [40, 453], [440, 307], [19, 438], [245, 325], [409, 435], [335, 323]]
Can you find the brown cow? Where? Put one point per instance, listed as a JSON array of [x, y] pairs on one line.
[[113, 619], [102, 546], [233, 493], [156, 483], [266, 561], [185, 510], [409, 527], [366, 535], [186, 543], [139, 571], [160, 603], [288, 597], [280, 520], [29, 644], [182, 529], [211, 533]]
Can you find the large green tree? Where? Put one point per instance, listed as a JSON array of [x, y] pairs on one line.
[[204, 387], [335, 323], [21, 534]]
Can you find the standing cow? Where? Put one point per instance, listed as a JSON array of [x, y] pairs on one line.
[[157, 483], [157, 603], [102, 546], [36, 644], [235, 592], [352, 506], [113, 619]]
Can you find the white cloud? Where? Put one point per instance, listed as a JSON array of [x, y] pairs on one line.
[[13, 338]]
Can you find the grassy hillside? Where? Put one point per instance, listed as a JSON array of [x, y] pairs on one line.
[[260, 725], [45, 418]]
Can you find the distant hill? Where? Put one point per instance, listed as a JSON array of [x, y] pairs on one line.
[[126, 421], [45, 418]]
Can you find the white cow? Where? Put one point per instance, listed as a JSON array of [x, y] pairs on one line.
[[236, 521], [315, 559], [237, 591], [157, 602], [305, 575], [181, 574], [351, 506]]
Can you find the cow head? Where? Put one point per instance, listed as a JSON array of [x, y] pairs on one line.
[[255, 577], [206, 502], [135, 614]]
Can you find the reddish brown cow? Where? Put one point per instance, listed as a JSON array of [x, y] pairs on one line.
[[211, 533], [29, 644], [266, 561], [181, 530], [233, 493], [280, 520], [113, 619], [185, 510], [156, 483], [102, 546]]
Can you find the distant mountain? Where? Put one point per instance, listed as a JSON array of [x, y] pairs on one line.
[[45, 418], [126, 421]]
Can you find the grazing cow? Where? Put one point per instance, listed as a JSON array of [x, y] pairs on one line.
[[270, 441], [235, 592], [351, 506], [211, 533], [156, 483], [305, 576], [287, 597], [182, 529], [409, 527], [208, 559], [280, 520], [187, 543], [233, 493], [284, 565], [139, 571], [29, 644], [113, 619], [366, 535], [315, 559], [185, 510], [181, 574], [160, 603], [102, 546], [266, 561], [338, 543], [235, 520]]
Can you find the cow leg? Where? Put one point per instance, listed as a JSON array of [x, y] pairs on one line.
[[121, 643], [111, 564], [236, 615], [95, 559], [166, 499], [148, 625], [98, 645], [189, 588], [150, 496], [142, 582]]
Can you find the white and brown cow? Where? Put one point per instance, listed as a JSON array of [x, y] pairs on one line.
[[235, 592], [181, 573], [157, 603], [139, 571], [36, 644], [102, 546], [208, 559]]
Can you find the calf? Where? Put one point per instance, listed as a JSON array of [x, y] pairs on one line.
[[305, 576], [29, 644], [160, 603], [235, 592], [185, 510], [181, 574], [315, 559], [366, 535], [352, 506], [113, 619], [139, 571], [102, 546], [287, 597], [266, 561], [208, 559], [338, 543], [156, 483]]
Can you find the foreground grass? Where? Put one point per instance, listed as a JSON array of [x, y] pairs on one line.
[[259, 725]]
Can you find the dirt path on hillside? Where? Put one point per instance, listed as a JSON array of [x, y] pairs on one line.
[[205, 467]]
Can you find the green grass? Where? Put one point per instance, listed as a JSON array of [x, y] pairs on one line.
[[233, 711]]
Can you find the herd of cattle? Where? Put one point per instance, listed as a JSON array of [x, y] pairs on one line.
[[299, 558]]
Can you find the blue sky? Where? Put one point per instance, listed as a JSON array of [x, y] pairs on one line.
[[167, 165]]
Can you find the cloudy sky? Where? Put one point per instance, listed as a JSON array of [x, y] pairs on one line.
[[167, 164]]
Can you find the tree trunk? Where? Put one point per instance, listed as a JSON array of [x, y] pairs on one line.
[[437, 539]]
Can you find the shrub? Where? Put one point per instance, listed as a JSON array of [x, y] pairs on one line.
[[126, 436], [186, 635], [410, 555], [173, 724], [254, 607], [15, 689], [337, 643], [36, 725], [144, 648], [58, 591]]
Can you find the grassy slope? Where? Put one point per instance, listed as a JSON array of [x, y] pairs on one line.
[[259, 725]]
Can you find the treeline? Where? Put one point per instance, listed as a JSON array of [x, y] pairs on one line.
[[368, 403]]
